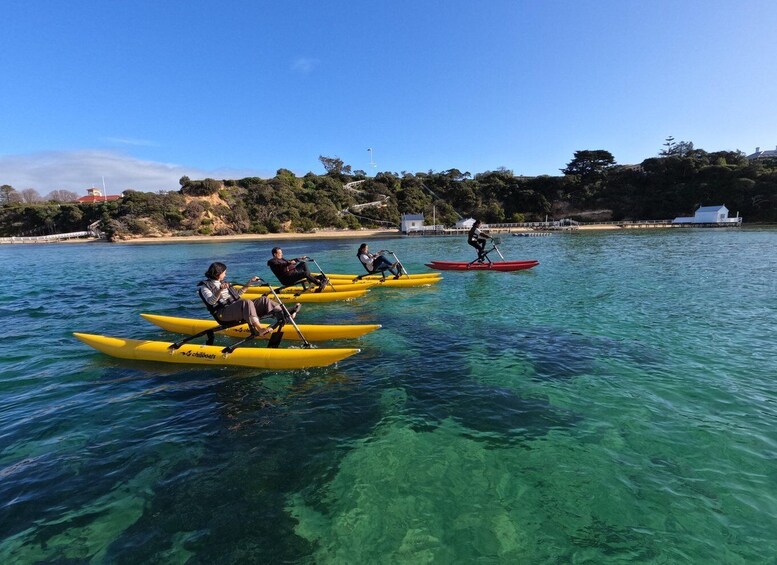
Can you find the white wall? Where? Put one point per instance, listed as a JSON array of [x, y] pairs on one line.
[[407, 225], [465, 223], [721, 215]]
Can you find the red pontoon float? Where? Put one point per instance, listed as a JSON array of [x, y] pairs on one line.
[[486, 264]]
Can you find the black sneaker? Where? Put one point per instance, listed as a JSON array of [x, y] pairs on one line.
[[322, 284]]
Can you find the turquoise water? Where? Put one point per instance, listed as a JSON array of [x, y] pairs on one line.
[[617, 403]]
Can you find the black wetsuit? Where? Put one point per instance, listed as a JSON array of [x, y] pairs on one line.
[[477, 240]]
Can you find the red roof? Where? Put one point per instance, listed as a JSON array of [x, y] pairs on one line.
[[93, 199]]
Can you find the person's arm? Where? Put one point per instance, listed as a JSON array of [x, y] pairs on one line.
[[242, 289], [483, 234], [229, 292], [209, 298]]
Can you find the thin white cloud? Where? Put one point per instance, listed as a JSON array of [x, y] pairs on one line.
[[131, 141], [304, 65], [78, 170]]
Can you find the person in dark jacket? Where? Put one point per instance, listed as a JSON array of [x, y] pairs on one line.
[[294, 271], [477, 238], [226, 305]]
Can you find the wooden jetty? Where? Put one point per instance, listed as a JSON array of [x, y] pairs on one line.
[[542, 228]]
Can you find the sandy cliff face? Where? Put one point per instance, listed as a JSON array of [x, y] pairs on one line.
[[207, 223]]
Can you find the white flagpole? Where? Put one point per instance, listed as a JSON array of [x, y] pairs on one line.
[[372, 163]]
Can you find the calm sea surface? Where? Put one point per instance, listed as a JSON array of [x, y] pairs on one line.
[[617, 403]]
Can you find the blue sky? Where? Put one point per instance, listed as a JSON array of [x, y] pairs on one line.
[[144, 92]]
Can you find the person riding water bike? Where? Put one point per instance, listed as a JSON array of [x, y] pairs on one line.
[[376, 262], [477, 238], [294, 271], [224, 301]]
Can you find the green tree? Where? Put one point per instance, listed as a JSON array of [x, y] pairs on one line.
[[734, 158], [70, 218], [334, 166], [495, 185], [206, 187], [676, 148], [589, 165], [412, 198], [8, 195], [588, 170]]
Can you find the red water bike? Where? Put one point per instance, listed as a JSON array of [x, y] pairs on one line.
[[484, 263]]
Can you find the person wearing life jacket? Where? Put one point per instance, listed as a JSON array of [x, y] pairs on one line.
[[376, 262], [477, 238], [294, 271], [224, 302]]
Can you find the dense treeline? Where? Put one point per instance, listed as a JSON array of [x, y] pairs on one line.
[[593, 187]]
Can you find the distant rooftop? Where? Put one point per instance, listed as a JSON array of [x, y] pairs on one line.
[[711, 208], [768, 154], [94, 195]]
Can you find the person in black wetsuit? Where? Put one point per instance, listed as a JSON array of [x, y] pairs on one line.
[[294, 271], [226, 305], [477, 239]]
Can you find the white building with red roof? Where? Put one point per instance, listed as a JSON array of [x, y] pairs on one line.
[[94, 195]]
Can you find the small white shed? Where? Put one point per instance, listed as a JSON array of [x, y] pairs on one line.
[[709, 215], [411, 222], [465, 223]]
